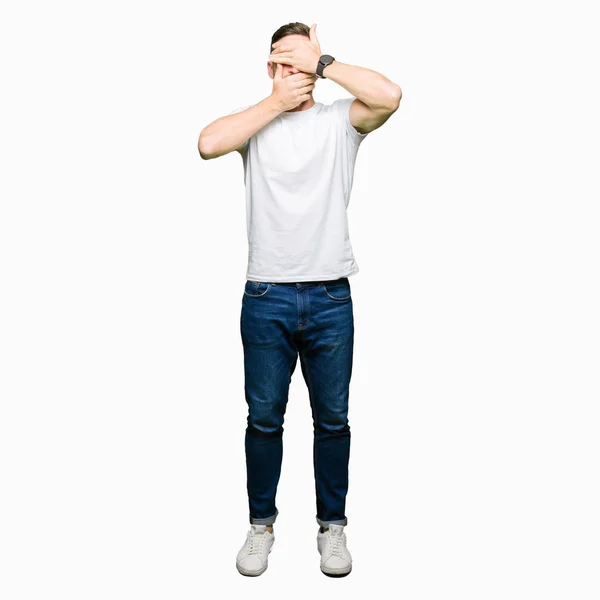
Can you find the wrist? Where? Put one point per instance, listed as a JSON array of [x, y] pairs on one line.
[[274, 105], [331, 69], [324, 62]]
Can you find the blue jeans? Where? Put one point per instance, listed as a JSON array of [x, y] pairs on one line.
[[280, 321]]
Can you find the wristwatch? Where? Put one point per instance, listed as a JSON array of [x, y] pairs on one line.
[[325, 60]]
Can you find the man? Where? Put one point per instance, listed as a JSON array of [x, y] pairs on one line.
[[299, 158]]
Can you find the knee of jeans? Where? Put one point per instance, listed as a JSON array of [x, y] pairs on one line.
[[265, 427], [333, 427]]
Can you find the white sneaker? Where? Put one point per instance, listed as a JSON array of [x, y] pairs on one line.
[[253, 558], [335, 557]]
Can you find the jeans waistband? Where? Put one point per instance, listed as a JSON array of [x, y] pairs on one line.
[[309, 283]]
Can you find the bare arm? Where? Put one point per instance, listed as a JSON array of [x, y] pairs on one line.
[[377, 98], [231, 132]]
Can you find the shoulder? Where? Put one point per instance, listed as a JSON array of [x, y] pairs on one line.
[[340, 108]]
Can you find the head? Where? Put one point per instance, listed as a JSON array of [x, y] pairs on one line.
[[290, 30]]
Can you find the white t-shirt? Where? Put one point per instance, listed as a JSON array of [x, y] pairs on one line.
[[298, 173]]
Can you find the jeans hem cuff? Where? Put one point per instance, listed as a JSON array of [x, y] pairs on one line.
[[265, 521], [343, 521]]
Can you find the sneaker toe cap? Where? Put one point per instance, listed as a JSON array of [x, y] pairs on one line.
[[336, 562], [251, 563]]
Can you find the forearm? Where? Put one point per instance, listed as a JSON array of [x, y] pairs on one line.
[[228, 133], [373, 88]]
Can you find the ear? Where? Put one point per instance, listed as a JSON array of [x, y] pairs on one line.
[[277, 70]]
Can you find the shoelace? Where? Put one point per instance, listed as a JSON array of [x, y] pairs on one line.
[[335, 544], [255, 543]]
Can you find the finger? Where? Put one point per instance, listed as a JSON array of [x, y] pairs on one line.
[[302, 82], [301, 76], [306, 89], [278, 71], [306, 81], [280, 56]]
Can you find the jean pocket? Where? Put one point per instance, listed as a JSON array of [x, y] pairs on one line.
[[256, 289], [338, 289]]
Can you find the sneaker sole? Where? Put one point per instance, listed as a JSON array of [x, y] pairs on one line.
[[342, 572]]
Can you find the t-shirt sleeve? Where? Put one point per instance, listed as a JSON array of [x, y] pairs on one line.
[[244, 146], [343, 109]]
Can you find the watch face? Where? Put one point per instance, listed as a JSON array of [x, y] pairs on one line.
[[326, 59]]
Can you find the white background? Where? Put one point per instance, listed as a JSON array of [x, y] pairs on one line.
[[474, 221]]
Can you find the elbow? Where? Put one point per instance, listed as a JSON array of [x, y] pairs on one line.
[[204, 148], [390, 98], [399, 94], [395, 97]]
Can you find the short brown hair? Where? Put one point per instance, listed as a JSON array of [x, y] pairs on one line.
[[289, 29]]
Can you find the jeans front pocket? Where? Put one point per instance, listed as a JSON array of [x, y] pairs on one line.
[[338, 289], [256, 289]]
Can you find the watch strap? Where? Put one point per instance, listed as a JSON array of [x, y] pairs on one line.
[[322, 64]]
